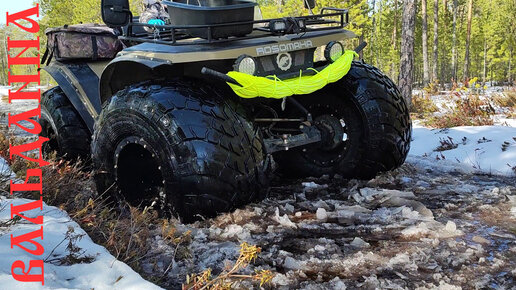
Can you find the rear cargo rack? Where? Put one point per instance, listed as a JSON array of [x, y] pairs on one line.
[[174, 34]]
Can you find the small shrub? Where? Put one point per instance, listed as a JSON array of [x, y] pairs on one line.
[[432, 88], [470, 111], [446, 144], [423, 105], [75, 254]]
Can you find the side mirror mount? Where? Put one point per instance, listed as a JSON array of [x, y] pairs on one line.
[[309, 4], [116, 13]]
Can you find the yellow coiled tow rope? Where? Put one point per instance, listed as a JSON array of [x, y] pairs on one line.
[[254, 86]]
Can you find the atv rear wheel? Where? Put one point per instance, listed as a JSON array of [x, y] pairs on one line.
[[179, 147], [61, 123], [365, 126]]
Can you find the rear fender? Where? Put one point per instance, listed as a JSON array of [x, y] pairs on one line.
[[80, 83]]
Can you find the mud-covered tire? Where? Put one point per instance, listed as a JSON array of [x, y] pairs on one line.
[[378, 127], [209, 158], [61, 123]]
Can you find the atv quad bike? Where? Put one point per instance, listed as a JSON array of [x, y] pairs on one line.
[[185, 118]]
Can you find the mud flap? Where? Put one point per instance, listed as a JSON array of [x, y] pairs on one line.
[[81, 85]]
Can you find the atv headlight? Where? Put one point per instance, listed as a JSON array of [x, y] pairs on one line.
[[277, 25], [301, 23], [333, 51], [245, 64]]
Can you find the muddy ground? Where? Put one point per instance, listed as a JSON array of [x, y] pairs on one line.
[[417, 226], [421, 225]]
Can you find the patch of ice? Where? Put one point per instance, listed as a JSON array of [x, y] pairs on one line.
[[405, 180], [313, 185], [280, 280], [289, 208], [292, 264], [401, 259], [359, 243], [418, 230], [283, 220], [449, 231], [232, 231], [321, 214], [445, 286]]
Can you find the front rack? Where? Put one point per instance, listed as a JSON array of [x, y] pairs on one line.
[[172, 34]]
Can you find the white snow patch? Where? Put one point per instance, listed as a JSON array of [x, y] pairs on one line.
[[478, 149], [105, 272]]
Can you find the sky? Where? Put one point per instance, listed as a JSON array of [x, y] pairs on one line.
[[13, 6]]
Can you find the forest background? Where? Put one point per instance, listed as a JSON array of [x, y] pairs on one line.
[[454, 40]]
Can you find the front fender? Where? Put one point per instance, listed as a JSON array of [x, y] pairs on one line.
[[130, 69]]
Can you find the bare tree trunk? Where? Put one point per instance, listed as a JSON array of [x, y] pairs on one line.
[[407, 50], [454, 42], [484, 75], [426, 72], [510, 66], [3, 59], [436, 40], [468, 40]]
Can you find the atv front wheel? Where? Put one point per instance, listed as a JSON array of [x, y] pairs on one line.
[[365, 127], [179, 147], [61, 123]]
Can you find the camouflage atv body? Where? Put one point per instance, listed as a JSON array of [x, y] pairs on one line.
[[168, 132]]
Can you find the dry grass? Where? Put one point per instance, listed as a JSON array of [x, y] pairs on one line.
[[507, 100], [18, 165]]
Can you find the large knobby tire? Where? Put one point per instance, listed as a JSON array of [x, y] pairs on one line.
[[179, 147], [374, 119], [61, 123]]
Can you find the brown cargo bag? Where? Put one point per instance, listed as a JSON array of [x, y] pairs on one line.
[[82, 41]]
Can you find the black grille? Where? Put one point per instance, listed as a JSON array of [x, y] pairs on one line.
[[301, 60]]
